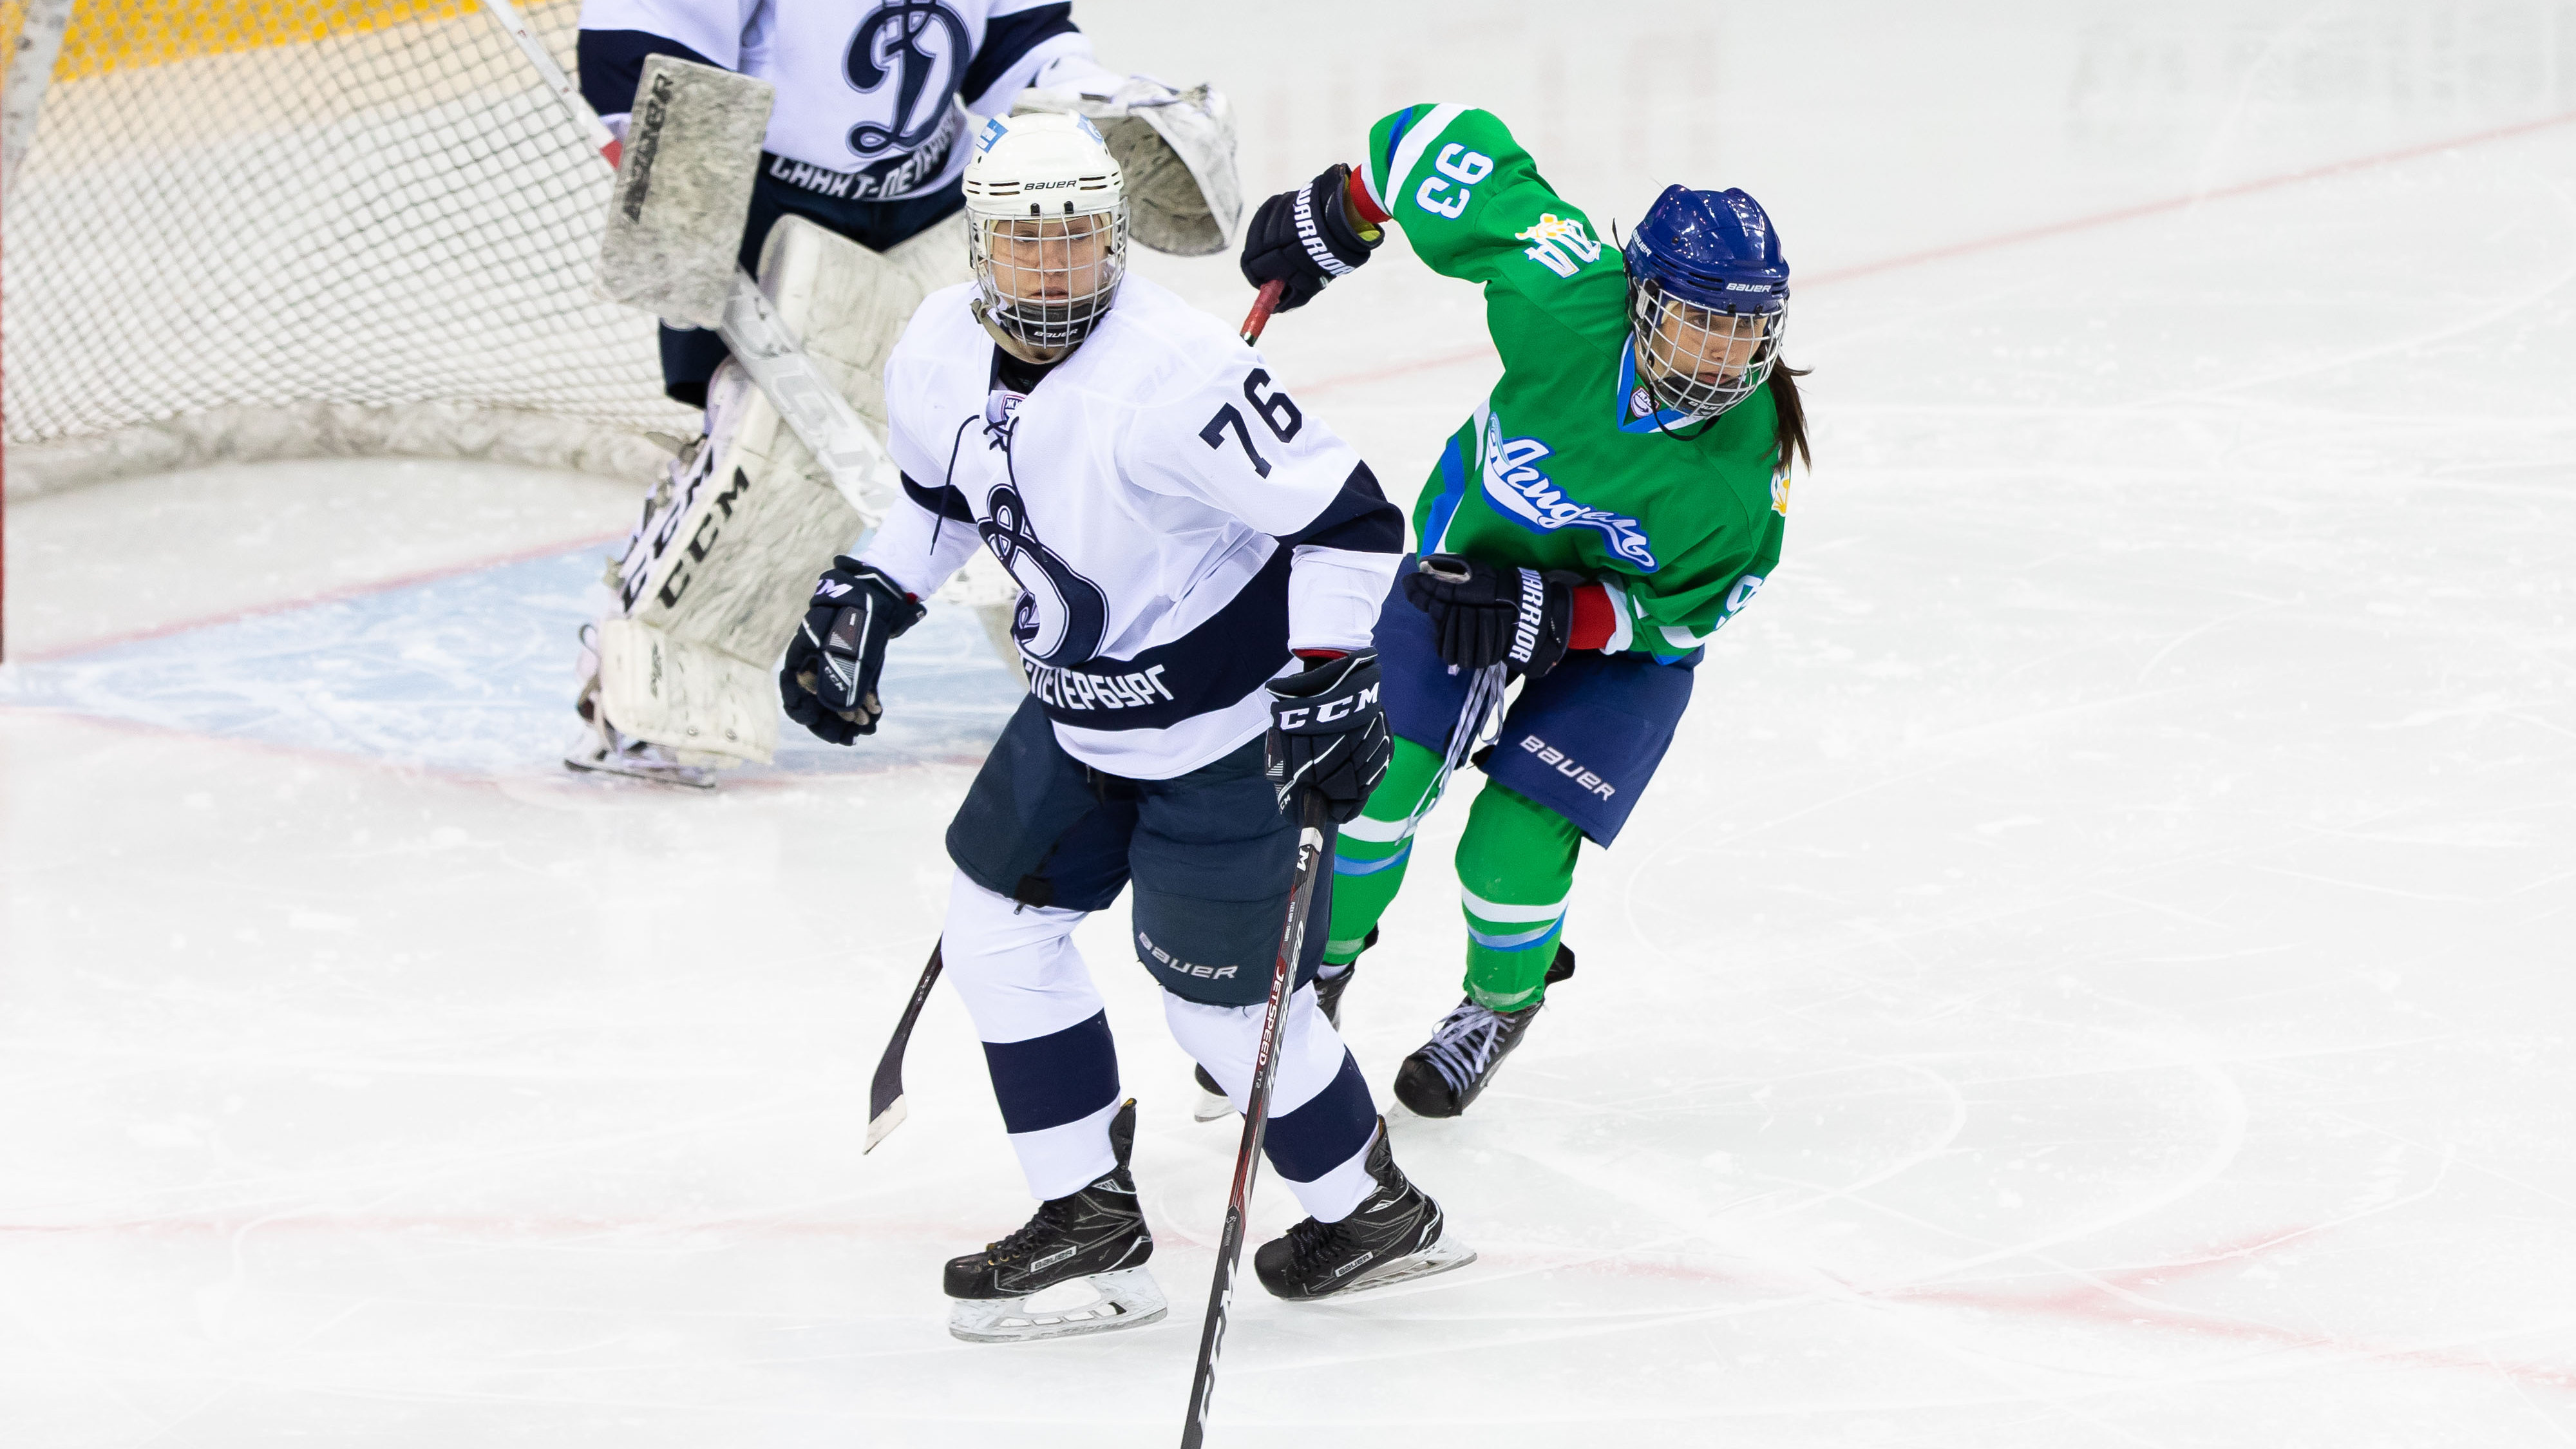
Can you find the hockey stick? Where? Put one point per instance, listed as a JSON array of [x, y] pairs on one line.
[[885, 1094], [1314, 840], [760, 343], [1262, 307], [1484, 696]]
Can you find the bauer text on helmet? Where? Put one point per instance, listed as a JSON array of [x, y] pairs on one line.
[[1047, 209], [1708, 292]]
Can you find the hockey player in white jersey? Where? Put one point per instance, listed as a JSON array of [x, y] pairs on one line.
[[852, 223], [1201, 565]]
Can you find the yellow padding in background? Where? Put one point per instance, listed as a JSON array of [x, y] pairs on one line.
[[112, 35]]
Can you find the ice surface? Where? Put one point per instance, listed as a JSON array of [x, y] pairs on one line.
[[2095, 970]]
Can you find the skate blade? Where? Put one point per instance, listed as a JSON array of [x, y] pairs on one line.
[[696, 777], [1440, 1257], [1128, 1298], [1211, 1106]]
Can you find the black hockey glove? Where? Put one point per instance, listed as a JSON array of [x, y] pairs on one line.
[[1483, 615], [1328, 733], [829, 684], [1304, 238]]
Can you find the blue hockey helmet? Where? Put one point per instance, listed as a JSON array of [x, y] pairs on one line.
[[1708, 292]]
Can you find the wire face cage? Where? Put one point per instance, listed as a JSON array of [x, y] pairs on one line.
[[1701, 361], [1046, 281]]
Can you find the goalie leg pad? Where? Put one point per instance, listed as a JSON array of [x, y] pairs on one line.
[[720, 569], [935, 256], [847, 304], [707, 706], [722, 564]]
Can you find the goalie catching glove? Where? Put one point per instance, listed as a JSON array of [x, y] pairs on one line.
[[829, 684], [1305, 238], [1328, 733]]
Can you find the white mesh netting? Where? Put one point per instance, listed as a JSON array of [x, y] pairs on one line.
[[269, 228]]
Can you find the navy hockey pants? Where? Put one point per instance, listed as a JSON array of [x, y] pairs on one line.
[[1041, 841]]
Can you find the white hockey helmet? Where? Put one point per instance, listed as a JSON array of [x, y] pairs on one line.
[[1046, 213]]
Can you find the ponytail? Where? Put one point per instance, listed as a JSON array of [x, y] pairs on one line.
[[1789, 414]]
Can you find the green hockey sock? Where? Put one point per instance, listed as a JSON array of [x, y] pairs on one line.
[[1515, 869], [1369, 858]]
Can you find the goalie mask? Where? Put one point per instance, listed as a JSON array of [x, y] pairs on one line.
[[1046, 212], [1708, 292]]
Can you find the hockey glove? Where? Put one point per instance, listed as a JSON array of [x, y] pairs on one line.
[[1483, 615], [1304, 238], [829, 684], [1328, 733]]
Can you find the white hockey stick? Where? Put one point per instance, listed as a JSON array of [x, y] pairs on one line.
[[760, 342]]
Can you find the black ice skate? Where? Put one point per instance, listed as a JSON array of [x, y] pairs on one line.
[[1455, 1066], [1328, 996], [1396, 1234], [1087, 1249]]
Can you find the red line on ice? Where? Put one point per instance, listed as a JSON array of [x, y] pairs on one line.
[[327, 596], [2099, 1302]]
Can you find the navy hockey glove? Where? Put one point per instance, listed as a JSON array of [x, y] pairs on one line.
[[1483, 615], [1304, 238], [1328, 733], [829, 684]]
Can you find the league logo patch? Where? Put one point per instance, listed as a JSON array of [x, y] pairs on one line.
[[1558, 244], [1514, 484]]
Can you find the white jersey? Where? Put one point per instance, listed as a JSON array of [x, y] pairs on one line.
[[869, 95], [1177, 523]]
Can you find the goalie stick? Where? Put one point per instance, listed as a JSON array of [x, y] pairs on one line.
[[813, 409]]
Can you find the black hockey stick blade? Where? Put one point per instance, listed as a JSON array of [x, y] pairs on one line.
[[885, 1094], [1314, 842]]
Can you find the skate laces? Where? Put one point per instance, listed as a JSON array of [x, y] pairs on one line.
[[1309, 1240], [1464, 1044], [1053, 1216]]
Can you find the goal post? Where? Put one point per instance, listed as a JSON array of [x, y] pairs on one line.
[[255, 229]]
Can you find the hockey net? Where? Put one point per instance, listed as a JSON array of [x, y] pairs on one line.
[[281, 228]]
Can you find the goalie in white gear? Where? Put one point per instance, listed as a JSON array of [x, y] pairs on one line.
[[852, 223], [1202, 565]]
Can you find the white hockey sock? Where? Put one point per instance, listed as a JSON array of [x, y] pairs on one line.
[[1321, 1117], [1045, 1033]]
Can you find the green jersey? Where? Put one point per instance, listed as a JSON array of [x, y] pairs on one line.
[[1568, 465]]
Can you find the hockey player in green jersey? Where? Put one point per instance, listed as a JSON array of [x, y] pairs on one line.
[[1618, 497]]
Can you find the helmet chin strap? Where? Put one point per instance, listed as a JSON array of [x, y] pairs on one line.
[[1034, 356]]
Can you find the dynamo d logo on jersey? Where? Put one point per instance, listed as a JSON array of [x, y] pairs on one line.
[[1062, 616], [921, 46], [1514, 484]]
